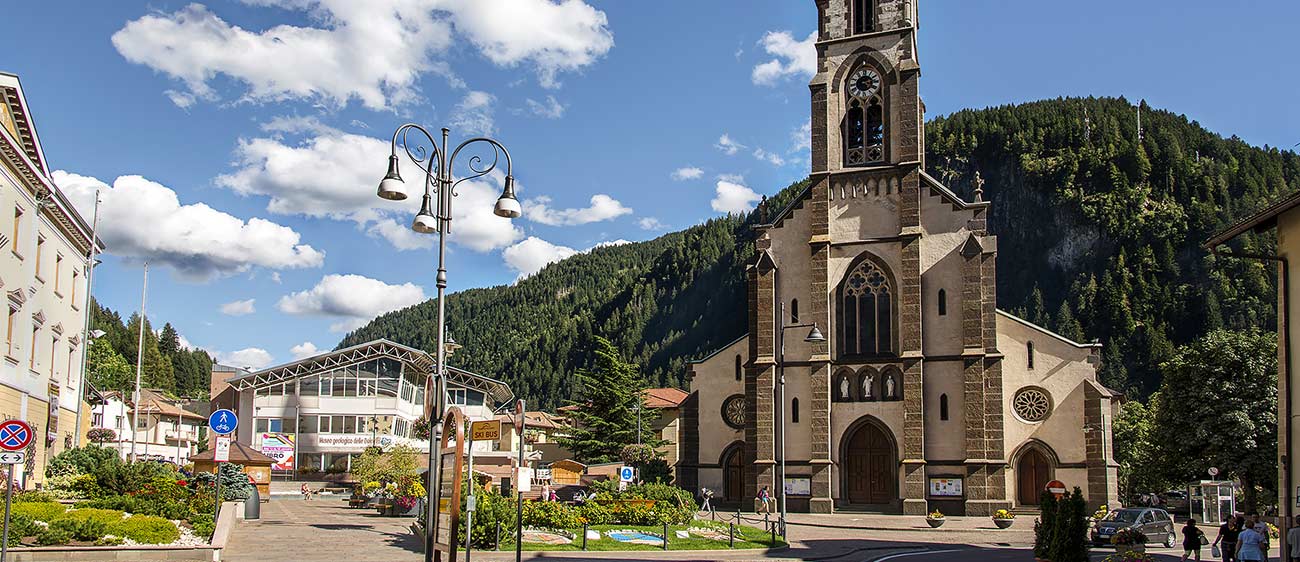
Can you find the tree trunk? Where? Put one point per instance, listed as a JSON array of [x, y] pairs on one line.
[[1249, 495]]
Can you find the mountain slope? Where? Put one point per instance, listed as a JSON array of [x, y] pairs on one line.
[[1098, 238]]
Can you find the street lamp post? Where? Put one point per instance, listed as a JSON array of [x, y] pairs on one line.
[[139, 365], [432, 158], [814, 336]]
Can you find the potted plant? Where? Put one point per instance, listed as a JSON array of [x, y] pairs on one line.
[[935, 519], [1003, 518], [1129, 540]]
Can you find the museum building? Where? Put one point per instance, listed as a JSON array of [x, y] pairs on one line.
[[872, 309]]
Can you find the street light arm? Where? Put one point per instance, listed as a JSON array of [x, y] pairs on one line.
[[497, 150], [810, 325], [427, 159]]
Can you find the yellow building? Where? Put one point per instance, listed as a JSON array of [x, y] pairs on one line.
[[43, 275]]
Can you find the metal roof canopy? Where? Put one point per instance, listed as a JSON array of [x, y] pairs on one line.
[[422, 362]]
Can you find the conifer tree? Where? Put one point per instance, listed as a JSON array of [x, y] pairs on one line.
[[605, 419]]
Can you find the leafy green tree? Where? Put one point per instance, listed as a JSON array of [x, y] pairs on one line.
[[1218, 407], [108, 369], [1137, 450], [605, 418]]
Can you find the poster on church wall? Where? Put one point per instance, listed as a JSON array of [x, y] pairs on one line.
[[279, 446], [945, 487], [798, 486]]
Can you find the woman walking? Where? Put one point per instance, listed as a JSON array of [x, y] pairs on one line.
[[1228, 539], [1251, 546], [1192, 541]]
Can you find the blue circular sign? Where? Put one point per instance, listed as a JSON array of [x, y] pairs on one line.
[[223, 421]]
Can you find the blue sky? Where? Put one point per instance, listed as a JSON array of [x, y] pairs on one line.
[[242, 140]]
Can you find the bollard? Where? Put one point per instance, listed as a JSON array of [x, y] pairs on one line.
[[498, 541], [773, 529], [731, 535], [665, 536], [584, 536]]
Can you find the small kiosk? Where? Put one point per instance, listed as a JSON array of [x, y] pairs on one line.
[[256, 465], [1212, 501]]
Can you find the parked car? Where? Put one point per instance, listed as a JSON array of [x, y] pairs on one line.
[[1175, 501], [1155, 523]]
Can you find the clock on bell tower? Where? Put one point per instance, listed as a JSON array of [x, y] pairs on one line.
[[866, 111]]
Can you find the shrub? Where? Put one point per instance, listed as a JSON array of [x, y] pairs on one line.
[[597, 513], [53, 535], [105, 516], [23, 526], [82, 460], [109, 540], [32, 496], [1061, 534], [40, 511], [129, 478], [202, 525], [101, 435], [553, 515], [146, 529], [492, 508], [234, 483], [88, 530]]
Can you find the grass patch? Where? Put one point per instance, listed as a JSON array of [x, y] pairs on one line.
[[746, 538]]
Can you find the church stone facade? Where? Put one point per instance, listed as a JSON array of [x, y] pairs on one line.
[[922, 394]]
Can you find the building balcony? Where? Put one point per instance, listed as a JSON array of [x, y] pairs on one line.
[[174, 435]]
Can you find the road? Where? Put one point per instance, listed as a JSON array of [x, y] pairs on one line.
[[990, 554]]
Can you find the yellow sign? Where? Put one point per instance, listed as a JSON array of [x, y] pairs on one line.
[[485, 430]]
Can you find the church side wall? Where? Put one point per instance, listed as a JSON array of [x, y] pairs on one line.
[[714, 380]]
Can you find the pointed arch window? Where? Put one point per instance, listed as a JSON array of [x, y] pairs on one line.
[[794, 410], [1029, 352], [738, 367], [943, 407], [864, 128], [865, 318], [943, 302], [794, 311]]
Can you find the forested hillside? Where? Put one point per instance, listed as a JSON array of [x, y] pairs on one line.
[[1098, 237], [167, 366]]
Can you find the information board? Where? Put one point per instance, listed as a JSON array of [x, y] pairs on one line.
[[798, 485], [451, 466], [946, 487]]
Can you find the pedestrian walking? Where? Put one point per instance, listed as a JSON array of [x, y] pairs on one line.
[[1260, 526], [1251, 545], [1192, 541], [764, 497], [1293, 540], [1228, 538], [707, 504]]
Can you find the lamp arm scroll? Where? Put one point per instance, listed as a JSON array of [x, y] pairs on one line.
[[497, 150]]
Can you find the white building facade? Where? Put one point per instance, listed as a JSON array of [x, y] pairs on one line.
[[43, 269], [163, 431]]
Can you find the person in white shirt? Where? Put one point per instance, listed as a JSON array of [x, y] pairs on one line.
[[1293, 540]]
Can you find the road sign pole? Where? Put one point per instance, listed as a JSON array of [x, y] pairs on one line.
[[9, 496], [216, 511], [522, 426]]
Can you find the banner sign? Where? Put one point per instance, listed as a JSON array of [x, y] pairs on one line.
[[279, 446], [946, 487]]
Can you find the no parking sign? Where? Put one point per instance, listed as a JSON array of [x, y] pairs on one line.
[[15, 435]]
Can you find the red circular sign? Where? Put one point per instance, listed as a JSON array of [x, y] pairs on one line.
[[15, 435], [1056, 487]]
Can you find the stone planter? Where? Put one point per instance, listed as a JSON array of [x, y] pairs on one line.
[[1003, 523], [935, 523]]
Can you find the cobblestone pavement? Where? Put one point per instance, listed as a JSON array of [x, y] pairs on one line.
[[328, 531], [321, 530]]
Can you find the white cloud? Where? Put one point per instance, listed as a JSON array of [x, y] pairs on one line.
[[331, 174], [651, 223], [550, 108], [374, 51], [400, 235], [184, 343], [729, 146], [239, 308], [602, 208], [734, 198], [252, 358], [304, 349], [794, 58], [769, 157], [687, 173], [142, 220], [532, 254], [474, 114], [275, 277], [354, 299], [733, 178], [802, 137]]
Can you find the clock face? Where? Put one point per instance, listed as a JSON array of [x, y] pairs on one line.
[[865, 83]]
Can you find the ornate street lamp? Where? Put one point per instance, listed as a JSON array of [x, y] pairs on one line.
[[437, 166]]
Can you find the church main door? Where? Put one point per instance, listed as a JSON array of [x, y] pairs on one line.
[[1033, 472], [733, 475], [869, 467]]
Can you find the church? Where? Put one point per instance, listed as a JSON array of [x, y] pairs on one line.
[[878, 373]]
